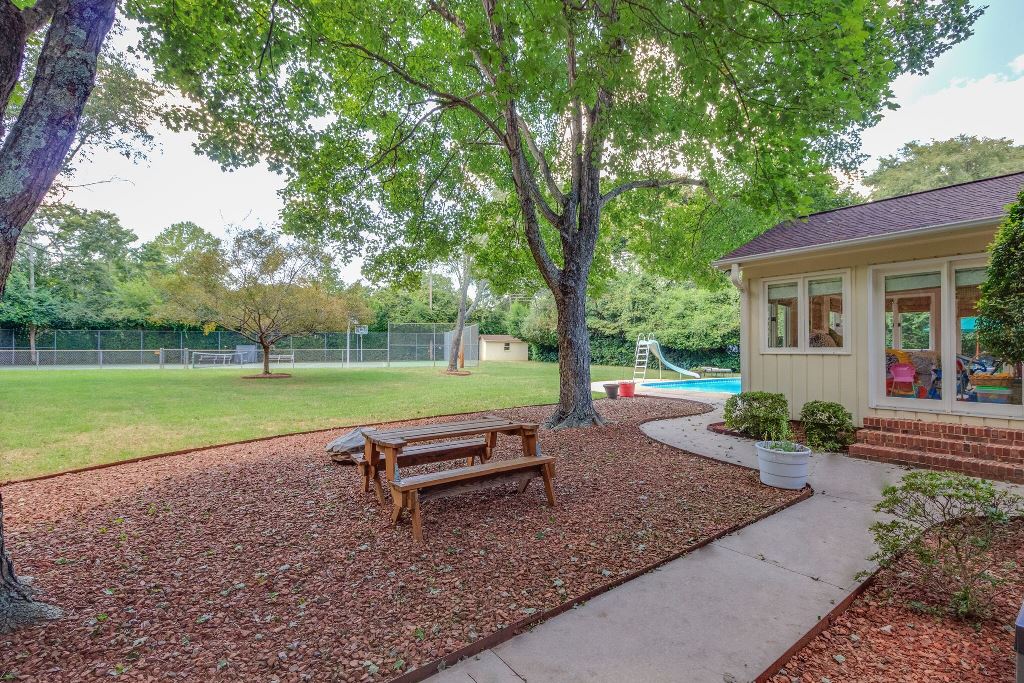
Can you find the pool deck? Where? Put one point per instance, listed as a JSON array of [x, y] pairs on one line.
[[643, 389]]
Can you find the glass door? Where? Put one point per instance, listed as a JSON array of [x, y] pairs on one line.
[[911, 368], [926, 353]]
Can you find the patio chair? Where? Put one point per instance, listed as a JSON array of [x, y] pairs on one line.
[[904, 380]]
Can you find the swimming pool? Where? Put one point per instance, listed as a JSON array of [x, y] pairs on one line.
[[724, 385]]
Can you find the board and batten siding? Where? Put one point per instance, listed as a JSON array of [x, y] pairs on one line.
[[841, 377]]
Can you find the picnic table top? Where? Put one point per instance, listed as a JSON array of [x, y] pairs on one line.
[[447, 430]]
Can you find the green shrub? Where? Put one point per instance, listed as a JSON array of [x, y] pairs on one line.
[[759, 414], [1001, 308], [948, 522], [828, 426]]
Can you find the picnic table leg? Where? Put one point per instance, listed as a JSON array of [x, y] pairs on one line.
[[529, 442], [417, 523], [397, 501], [549, 489], [366, 467], [492, 443]]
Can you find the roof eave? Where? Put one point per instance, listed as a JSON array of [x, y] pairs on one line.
[[726, 263]]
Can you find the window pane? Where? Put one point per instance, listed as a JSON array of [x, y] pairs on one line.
[[825, 308], [981, 376], [783, 323], [913, 362]]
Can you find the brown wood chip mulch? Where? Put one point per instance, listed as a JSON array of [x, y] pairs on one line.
[[893, 633], [264, 561]]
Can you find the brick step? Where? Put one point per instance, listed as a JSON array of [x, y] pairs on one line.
[[986, 469], [1013, 455], [949, 430]]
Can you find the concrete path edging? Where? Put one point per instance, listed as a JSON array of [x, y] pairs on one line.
[[725, 612]]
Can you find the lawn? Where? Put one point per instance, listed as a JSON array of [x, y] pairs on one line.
[[59, 420]]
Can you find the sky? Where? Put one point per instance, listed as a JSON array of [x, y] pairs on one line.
[[976, 88]]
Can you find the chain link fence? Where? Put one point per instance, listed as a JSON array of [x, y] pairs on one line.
[[403, 344]]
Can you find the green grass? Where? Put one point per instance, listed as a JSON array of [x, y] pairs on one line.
[[57, 420]]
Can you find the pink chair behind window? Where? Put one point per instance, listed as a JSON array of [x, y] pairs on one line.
[[904, 379]]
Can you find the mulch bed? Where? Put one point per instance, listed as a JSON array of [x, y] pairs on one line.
[[265, 561], [882, 637]]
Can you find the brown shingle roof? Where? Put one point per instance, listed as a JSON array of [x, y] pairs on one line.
[[975, 200]]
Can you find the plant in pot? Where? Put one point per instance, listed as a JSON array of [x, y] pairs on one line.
[[783, 463], [1001, 307]]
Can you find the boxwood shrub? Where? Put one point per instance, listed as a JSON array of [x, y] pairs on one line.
[[758, 414], [827, 425]]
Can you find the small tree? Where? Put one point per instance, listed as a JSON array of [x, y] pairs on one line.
[[260, 287], [1001, 308]]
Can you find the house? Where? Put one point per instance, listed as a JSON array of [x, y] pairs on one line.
[[503, 347], [874, 306]]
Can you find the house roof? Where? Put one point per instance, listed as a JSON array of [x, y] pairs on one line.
[[500, 338], [944, 207]]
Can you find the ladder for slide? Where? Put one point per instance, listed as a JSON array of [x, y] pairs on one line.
[[643, 355]]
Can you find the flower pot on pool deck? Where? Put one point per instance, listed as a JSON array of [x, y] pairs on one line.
[[612, 389], [783, 469], [627, 389]]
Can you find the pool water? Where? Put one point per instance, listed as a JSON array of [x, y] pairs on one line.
[[724, 385]]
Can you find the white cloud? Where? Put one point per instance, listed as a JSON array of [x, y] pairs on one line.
[[1018, 64], [989, 106]]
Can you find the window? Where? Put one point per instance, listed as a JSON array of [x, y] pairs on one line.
[[981, 377], [508, 346], [783, 316], [825, 313], [913, 362], [807, 314]]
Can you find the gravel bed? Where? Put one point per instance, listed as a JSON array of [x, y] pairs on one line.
[[883, 638], [265, 561]]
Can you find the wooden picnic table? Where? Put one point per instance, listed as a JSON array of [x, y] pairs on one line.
[[470, 439]]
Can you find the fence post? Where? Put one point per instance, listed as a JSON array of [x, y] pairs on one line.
[[325, 347], [99, 346], [389, 344], [142, 349]]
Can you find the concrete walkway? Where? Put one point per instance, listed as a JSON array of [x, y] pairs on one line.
[[723, 613]]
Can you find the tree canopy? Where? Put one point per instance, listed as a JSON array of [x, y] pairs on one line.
[[669, 130], [259, 286], [1001, 308], [921, 166]]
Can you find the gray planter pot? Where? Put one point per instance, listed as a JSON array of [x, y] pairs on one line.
[[783, 469], [612, 390]]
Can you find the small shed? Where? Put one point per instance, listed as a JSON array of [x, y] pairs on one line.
[[503, 347]]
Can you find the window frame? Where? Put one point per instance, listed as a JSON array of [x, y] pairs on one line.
[[803, 347], [948, 404]]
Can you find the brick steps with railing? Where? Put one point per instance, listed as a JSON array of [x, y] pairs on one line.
[[989, 452]]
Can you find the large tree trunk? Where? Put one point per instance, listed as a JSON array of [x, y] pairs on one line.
[[575, 402], [32, 328], [34, 150], [17, 608], [12, 53], [30, 158]]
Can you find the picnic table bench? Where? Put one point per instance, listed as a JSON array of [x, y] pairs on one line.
[[472, 439]]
